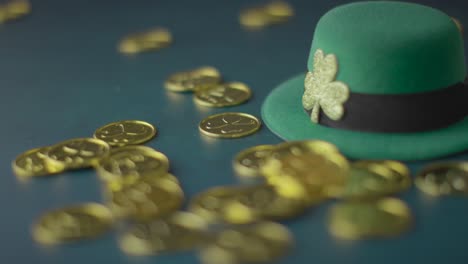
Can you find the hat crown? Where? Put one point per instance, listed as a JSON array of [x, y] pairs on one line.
[[391, 47]]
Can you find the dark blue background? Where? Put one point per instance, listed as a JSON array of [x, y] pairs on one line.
[[61, 77]]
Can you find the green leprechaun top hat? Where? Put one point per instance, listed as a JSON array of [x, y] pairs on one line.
[[386, 80]]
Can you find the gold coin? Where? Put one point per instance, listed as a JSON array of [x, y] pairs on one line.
[[443, 178], [189, 81], [34, 162], [384, 217], [458, 24], [222, 95], [127, 132], [248, 162], [154, 39], [17, 8], [229, 125], [279, 11], [210, 203], [376, 178], [261, 202], [77, 153], [132, 162], [254, 18], [260, 242], [72, 223], [299, 148], [146, 198], [308, 175], [177, 232]]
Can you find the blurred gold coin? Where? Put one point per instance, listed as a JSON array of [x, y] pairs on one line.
[[146, 198], [189, 81], [177, 232], [261, 202], [299, 148], [150, 40], [309, 175], [458, 24], [229, 125], [210, 203], [260, 242], [254, 18], [83, 221], [77, 153], [132, 162], [222, 95], [447, 178], [376, 178], [384, 217], [248, 162], [17, 8], [126, 132], [34, 162], [279, 11]]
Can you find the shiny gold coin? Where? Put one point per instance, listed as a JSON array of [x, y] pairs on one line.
[[447, 178], [223, 95], [458, 24], [132, 162], [146, 198], [177, 232], [261, 242], [261, 202], [77, 153], [72, 223], [189, 81], [309, 175], [279, 11], [248, 162], [229, 125], [254, 18], [376, 178], [146, 41], [210, 203], [34, 162], [127, 132], [384, 217]]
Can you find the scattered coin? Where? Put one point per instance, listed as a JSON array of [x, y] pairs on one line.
[[279, 11], [260, 242], [384, 217], [222, 95], [13, 10], [77, 153], [254, 18], [147, 198], [229, 125], [449, 178], [34, 162], [132, 162], [189, 81], [177, 232], [248, 162], [72, 223], [150, 40], [127, 132], [262, 16], [376, 178]]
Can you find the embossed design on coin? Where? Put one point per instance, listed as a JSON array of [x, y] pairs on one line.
[[132, 161], [34, 162], [78, 153], [229, 125], [72, 223], [127, 132], [221, 95]]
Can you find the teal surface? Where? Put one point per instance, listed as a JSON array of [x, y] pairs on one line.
[[61, 77]]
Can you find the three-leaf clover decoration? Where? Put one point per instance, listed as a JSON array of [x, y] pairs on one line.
[[322, 91]]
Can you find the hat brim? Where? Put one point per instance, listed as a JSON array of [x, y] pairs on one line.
[[283, 114]]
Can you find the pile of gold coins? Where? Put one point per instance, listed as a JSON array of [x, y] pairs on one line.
[[150, 40], [13, 10], [275, 12]]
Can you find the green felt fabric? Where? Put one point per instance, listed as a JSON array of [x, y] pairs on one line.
[[391, 47], [283, 114]]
